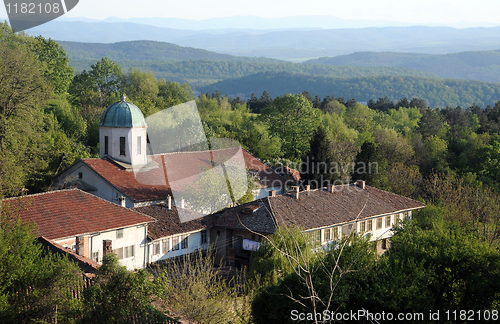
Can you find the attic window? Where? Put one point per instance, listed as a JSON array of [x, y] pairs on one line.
[[119, 233], [80, 175]]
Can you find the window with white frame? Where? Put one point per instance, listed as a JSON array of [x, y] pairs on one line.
[[204, 238], [175, 243], [326, 235], [347, 229], [165, 245], [156, 247], [95, 256], [119, 233], [184, 242], [369, 225], [125, 252], [379, 223], [388, 221], [362, 227]]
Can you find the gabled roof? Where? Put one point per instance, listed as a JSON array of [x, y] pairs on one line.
[[85, 264], [315, 209], [66, 213], [168, 222], [151, 182], [320, 208]]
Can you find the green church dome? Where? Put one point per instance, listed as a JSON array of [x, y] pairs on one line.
[[122, 114]]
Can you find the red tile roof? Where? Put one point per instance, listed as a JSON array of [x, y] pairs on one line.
[[67, 213], [168, 222], [152, 182]]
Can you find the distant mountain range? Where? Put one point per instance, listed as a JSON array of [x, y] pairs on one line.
[[145, 50], [296, 44], [201, 67], [479, 65], [364, 75]]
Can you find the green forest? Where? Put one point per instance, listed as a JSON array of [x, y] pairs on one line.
[[436, 92], [477, 65], [446, 258]]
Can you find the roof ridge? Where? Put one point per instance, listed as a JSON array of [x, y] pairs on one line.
[[112, 203], [392, 193], [41, 193], [82, 192]]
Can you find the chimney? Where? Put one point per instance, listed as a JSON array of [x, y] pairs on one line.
[[331, 188], [106, 247], [123, 203], [80, 245], [360, 184], [272, 193], [169, 202], [295, 192]]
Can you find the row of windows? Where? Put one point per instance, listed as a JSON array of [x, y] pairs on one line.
[[332, 233], [176, 243], [122, 253], [122, 145], [125, 252]]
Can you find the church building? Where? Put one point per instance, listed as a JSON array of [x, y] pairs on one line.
[[126, 175]]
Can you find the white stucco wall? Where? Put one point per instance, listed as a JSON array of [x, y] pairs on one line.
[[264, 192], [132, 236], [375, 234], [131, 155], [194, 243]]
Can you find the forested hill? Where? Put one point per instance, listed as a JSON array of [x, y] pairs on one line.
[[144, 50], [200, 67], [474, 65], [437, 93]]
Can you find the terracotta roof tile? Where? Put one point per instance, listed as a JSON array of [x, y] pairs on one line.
[[168, 222], [152, 182], [66, 213]]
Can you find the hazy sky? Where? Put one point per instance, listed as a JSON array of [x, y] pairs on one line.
[[417, 11]]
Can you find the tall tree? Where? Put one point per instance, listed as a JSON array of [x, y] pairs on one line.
[[117, 294], [371, 166], [294, 120], [317, 166], [54, 61], [23, 92]]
